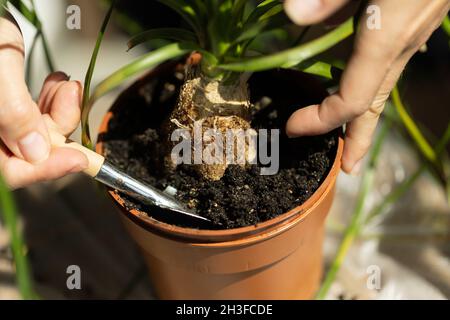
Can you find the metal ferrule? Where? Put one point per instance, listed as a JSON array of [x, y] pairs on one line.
[[116, 179]]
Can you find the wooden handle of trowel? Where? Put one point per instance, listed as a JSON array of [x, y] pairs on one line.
[[58, 140]]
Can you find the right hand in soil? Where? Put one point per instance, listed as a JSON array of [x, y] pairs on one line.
[[25, 152]]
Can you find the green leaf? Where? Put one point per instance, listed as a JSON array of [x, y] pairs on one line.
[[32, 17], [141, 64], [220, 27], [446, 26], [271, 12], [91, 68], [28, 14], [413, 129], [2, 6], [262, 9], [174, 34], [249, 32], [319, 68], [8, 211], [199, 7], [293, 56], [238, 9]]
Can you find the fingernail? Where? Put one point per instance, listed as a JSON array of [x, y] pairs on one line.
[[301, 10], [356, 170], [34, 148], [65, 75]]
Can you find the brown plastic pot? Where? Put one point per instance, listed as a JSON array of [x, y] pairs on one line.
[[278, 259]]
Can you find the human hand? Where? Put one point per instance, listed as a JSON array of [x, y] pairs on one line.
[[378, 58], [25, 152]]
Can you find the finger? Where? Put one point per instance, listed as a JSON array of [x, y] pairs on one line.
[[63, 101], [304, 12], [359, 133], [359, 85], [358, 138], [51, 84], [21, 127], [62, 161]]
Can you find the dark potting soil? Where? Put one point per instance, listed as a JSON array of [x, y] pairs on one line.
[[242, 197]]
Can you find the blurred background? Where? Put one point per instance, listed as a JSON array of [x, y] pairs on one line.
[[70, 221]]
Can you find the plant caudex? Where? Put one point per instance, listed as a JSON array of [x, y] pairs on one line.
[[223, 33]]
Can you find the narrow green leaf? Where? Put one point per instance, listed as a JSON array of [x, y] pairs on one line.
[[271, 12], [252, 31], [320, 68], [199, 7], [174, 34], [91, 68], [414, 130], [259, 13], [2, 6], [9, 212], [293, 56], [446, 25], [32, 17], [221, 29], [141, 64], [238, 9], [28, 14]]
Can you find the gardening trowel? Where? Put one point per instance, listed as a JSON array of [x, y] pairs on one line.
[[107, 174]]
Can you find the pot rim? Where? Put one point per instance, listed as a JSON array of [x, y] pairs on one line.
[[241, 235]]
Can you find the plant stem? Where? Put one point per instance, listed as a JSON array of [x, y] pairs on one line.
[[9, 211], [357, 216]]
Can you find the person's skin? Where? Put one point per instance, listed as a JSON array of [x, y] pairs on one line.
[[25, 152], [378, 58]]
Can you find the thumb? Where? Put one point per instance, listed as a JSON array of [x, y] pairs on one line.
[[22, 128], [304, 12]]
